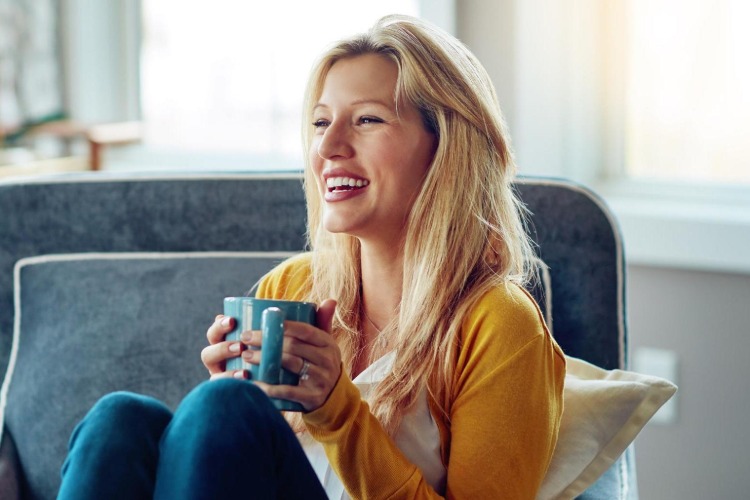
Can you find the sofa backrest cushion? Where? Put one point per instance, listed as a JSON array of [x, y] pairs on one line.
[[144, 212]]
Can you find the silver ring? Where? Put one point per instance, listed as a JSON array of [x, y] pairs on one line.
[[303, 375]]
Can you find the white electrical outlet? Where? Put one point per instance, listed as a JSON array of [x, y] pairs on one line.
[[659, 363]]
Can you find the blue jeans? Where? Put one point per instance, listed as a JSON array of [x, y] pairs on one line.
[[225, 440]]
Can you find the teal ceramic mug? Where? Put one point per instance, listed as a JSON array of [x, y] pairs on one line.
[[267, 315]]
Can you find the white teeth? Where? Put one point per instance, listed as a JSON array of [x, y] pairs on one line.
[[334, 182]]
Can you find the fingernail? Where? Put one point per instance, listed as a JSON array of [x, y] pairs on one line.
[[225, 321], [246, 336], [235, 347], [243, 375]]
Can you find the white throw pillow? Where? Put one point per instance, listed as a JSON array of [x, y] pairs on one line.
[[604, 410]]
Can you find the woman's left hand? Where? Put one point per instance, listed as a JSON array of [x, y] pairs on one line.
[[303, 344]]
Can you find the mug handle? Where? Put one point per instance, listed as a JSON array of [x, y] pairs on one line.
[[272, 330]]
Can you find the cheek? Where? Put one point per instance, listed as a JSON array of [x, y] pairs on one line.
[[314, 159], [316, 166], [419, 164], [312, 153]]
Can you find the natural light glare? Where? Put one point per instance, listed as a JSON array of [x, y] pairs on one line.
[[229, 80], [688, 110]]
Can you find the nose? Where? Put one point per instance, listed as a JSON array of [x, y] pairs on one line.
[[335, 142]]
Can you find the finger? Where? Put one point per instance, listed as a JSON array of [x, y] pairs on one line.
[[219, 329], [296, 364], [320, 360], [287, 392], [311, 396], [214, 356], [251, 338], [325, 314], [238, 374], [251, 356], [298, 334], [318, 336], [304, 367]]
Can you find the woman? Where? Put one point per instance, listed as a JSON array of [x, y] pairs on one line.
[[433, 373]]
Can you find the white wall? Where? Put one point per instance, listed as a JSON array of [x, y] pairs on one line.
[[704, 317]]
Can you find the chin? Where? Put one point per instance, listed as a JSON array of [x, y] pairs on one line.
[[336, 225]]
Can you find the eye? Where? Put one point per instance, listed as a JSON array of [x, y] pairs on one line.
[[320, 123], [366, 120]]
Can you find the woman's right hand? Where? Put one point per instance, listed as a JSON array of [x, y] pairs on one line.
[[215, 355]]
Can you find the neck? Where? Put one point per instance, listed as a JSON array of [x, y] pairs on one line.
[[382, 278]]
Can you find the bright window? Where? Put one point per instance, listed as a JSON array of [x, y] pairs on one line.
[[223, 82], [688, 86]]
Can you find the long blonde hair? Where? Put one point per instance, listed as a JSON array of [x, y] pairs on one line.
[[465, 233]]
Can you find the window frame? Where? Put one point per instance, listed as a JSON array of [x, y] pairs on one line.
[[667, 223]]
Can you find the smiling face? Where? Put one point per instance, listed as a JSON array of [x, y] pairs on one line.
[[368, 158]]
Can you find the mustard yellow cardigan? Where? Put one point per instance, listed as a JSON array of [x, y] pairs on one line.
[[503, 414]]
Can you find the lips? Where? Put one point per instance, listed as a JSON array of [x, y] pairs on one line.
[[338, 184]]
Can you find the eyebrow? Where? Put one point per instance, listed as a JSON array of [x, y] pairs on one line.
[[358, 102]]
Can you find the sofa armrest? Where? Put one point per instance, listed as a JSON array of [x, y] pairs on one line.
[[10, 482]]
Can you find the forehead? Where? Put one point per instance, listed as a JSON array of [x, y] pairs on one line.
[[368, 76]]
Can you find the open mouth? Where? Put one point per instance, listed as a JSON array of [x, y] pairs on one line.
[[345, 184]]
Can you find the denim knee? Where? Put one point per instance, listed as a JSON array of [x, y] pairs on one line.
[[114, 451], [227, 436], [230, 398], [127, 420], [217, 412]]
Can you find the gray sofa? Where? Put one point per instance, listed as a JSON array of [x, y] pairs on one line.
[[108, 282]]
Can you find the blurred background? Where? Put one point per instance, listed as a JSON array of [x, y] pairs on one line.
[[644, 101]]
